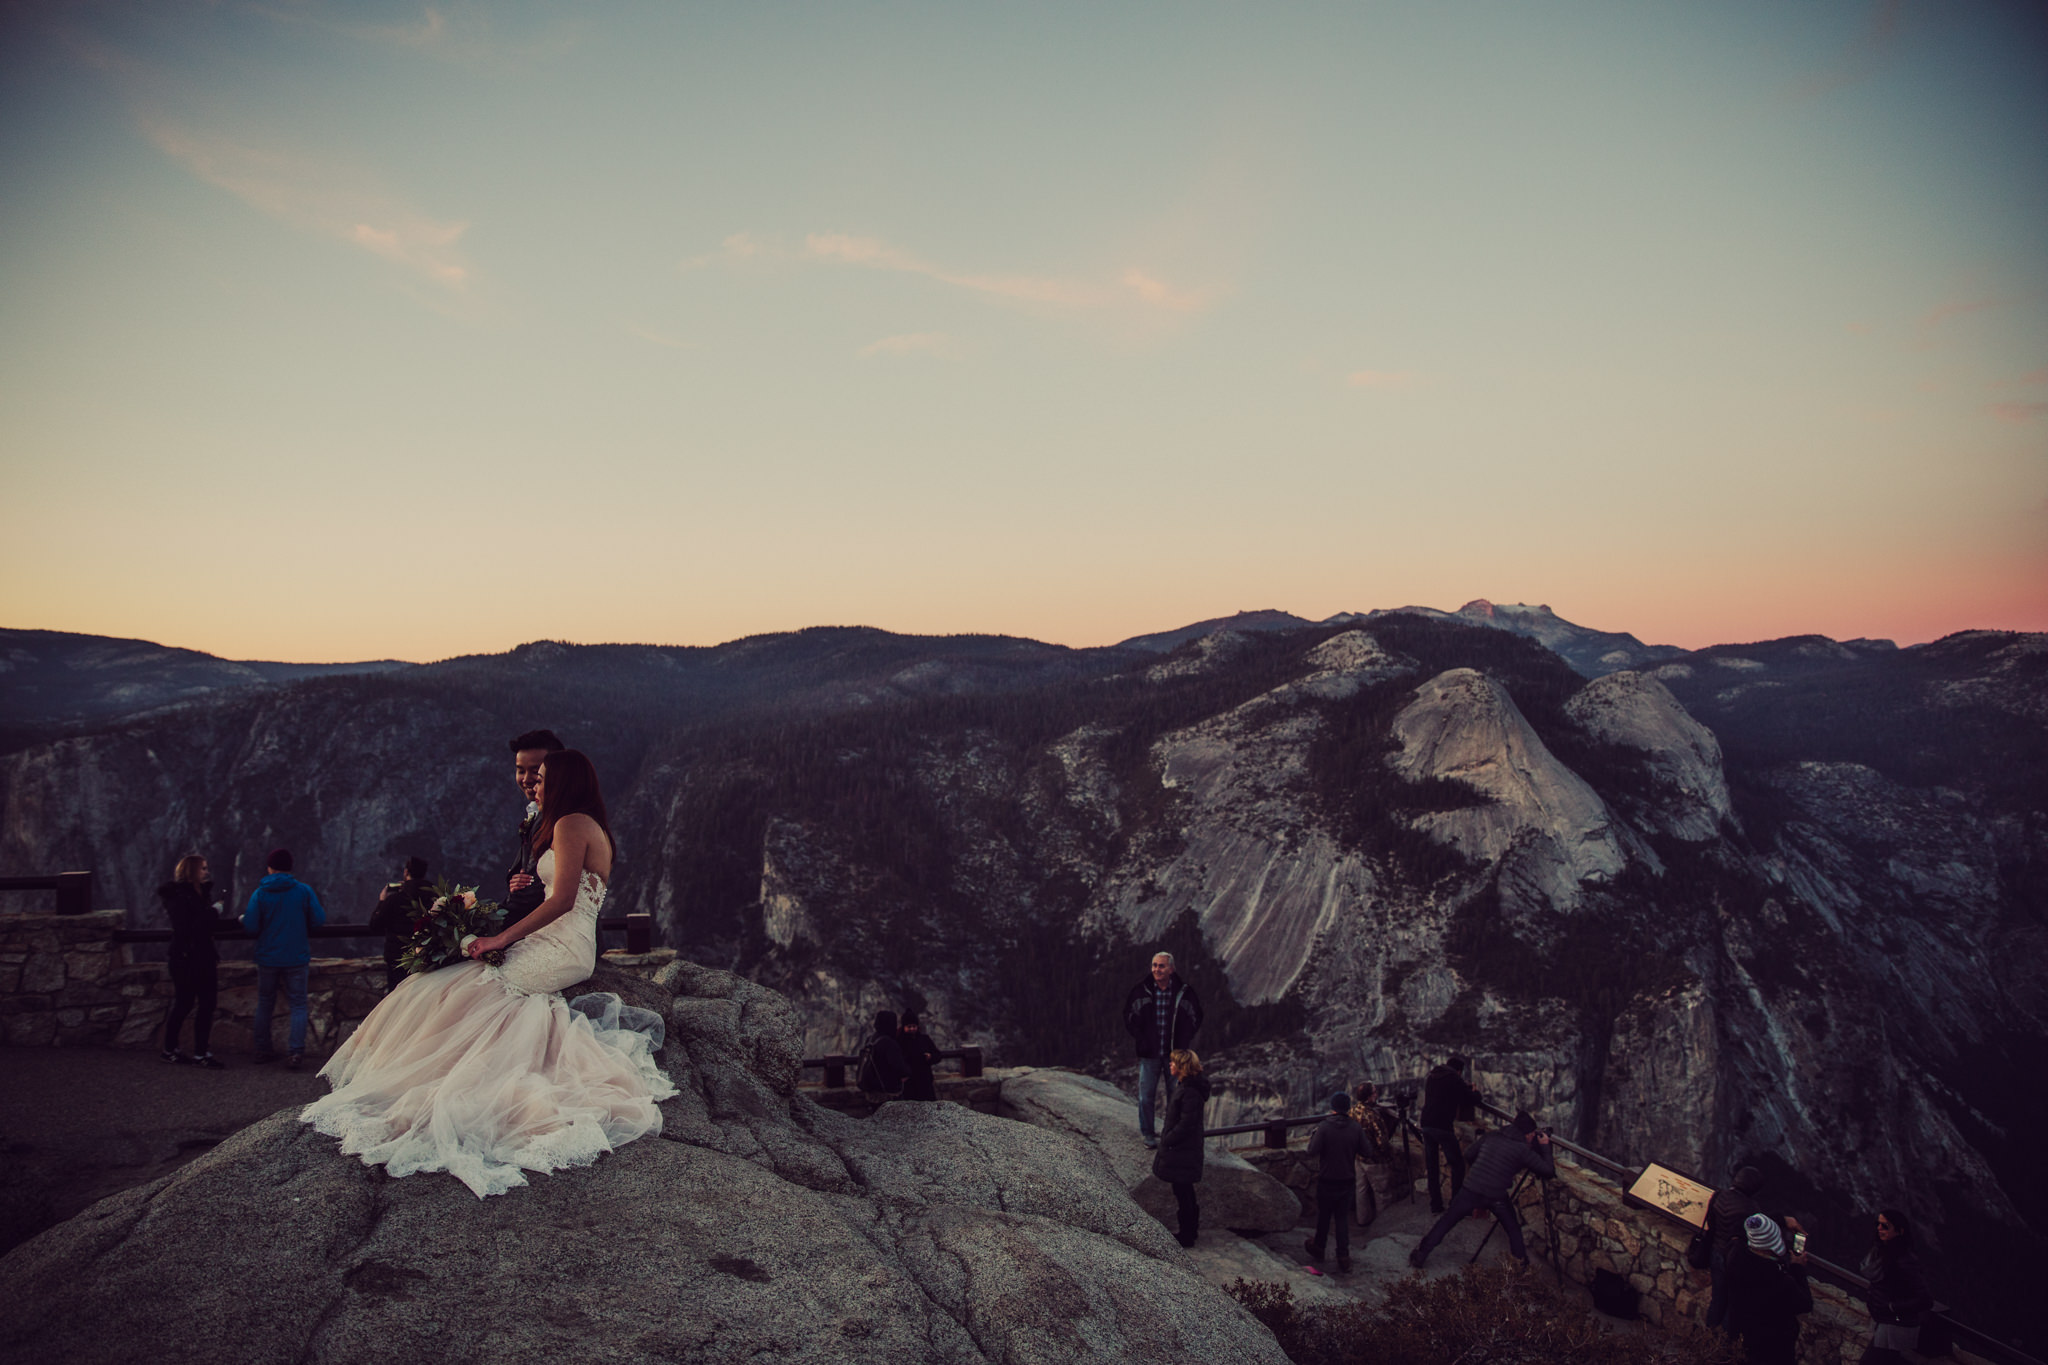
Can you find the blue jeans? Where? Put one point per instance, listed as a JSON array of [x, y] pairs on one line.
[[1151, 1071], [294, 979]]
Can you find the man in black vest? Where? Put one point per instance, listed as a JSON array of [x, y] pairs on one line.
[[524, 889]]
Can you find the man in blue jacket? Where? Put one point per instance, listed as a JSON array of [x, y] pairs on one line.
[[282, 909]]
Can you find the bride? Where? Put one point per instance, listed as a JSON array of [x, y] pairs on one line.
[[484, 1071]]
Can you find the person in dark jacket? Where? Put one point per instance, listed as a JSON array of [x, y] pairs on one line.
[[398, 905], [1444, 1093], [919, 1053], [1336, 1145], [1179, 1159], [1726, 1213], [1899, 1297], [195, 982], [890, 1071], [1497, 1159], [1766, 1292], [1163, 1014], [523, 889], [282, 909]]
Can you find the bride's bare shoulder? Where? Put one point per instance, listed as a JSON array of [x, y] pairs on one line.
[[587, 834]]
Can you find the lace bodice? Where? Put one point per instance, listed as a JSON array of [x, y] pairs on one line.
[[561, 952]]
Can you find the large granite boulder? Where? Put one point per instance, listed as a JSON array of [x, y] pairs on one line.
[[1233, 1193], [759, 1224]]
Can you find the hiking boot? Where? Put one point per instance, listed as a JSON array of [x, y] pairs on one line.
[[1151, 1142], [1343, 1264], [173, 1056], [292, 1062], [210, 1062], [1416, 1258], [1315, 1253]]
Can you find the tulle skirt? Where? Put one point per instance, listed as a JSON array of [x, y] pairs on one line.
[[455, 1072]]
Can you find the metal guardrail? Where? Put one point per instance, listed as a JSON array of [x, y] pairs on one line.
[[74, 889], [835, 1065], [1970, 1338], [638, 928]]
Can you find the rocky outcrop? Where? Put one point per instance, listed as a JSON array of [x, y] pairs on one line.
[[758, 1224], [1465, 726], [1234, 1194], [1681, 756]]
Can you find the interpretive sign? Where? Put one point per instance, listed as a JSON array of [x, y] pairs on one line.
[[1678, 1195]]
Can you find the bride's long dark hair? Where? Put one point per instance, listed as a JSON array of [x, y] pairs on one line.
[[568, 787]]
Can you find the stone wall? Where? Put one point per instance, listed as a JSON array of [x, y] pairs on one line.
[[64, 981], [1596, 1231]]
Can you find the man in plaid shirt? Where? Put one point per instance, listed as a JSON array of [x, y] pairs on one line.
[[1162, 1013]]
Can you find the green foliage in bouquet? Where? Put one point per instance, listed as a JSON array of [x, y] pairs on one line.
[[457, 914]]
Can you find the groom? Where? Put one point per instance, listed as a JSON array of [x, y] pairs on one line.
[[529, 751]]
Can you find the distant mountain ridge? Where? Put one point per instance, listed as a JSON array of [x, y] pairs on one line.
[[1592, 653], [56, 675]]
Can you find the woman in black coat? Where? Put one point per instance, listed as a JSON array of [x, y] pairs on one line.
[[1179, 1159], [1898, 1296], [919, 1052], [188, 900]]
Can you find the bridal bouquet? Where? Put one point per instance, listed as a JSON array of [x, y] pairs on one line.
[[455, 918]]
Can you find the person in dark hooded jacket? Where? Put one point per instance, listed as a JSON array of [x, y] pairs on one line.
[[1444, 1093], [194, 962], [1336, 1145], [919, 1053], [1178, 1161], [1899, 1297], [884, 1080]]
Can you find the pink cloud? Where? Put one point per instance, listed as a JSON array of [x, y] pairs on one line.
[[874, 254], [325, 198], [2019, 412], [2039, 376]]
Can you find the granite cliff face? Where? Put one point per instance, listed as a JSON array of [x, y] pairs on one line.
[[1785, 901]]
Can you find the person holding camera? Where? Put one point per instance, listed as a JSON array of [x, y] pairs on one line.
[[1497, 1159], [1444, 1093], [1766, 1291]]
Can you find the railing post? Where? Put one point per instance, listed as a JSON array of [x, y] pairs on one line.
[[970, 1061], [74, 893], [640, 933], [835, 1073], [1276, 1135]]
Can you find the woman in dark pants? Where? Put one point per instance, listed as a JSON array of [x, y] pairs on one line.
[[1898, 1296], [919, 1052], [188, 900], [1179, 1159]]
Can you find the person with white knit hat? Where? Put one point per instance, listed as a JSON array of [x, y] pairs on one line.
[[1766, 1293]]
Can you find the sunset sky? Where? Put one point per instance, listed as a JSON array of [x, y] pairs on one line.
[[334, 331]]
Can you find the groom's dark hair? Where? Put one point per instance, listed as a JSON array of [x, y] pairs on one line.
[[538, 739]]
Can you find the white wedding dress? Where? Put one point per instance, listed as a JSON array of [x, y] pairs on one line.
[[486, 1073]]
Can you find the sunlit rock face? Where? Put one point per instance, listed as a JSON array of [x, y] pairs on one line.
[[1465, 726], [1681, 756]]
